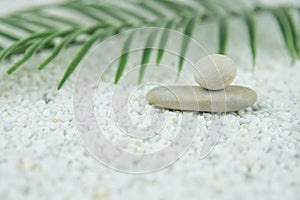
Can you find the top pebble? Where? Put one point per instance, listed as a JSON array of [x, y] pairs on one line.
[[215, 71]]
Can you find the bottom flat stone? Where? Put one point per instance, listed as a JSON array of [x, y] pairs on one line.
[[195, 98]]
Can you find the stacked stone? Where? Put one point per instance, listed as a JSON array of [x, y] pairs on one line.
[[214, 73]]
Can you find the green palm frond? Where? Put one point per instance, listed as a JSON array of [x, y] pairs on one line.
[[147, 53], [288, 30], [124, 57], [251, 27], [40, 29], [223, 34]]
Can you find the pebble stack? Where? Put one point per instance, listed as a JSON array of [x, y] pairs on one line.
[[213, 73]]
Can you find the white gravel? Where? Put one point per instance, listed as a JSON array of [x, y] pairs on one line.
[[257, 156]]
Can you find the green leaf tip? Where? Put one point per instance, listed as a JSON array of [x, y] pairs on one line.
[[79, 56], [286, 28], [28, 54], [223, 34], [294, 32], [124, 57], [60, 46], [188, 31], [251, 27], [147, 54], [24, 43], [163, 41]]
